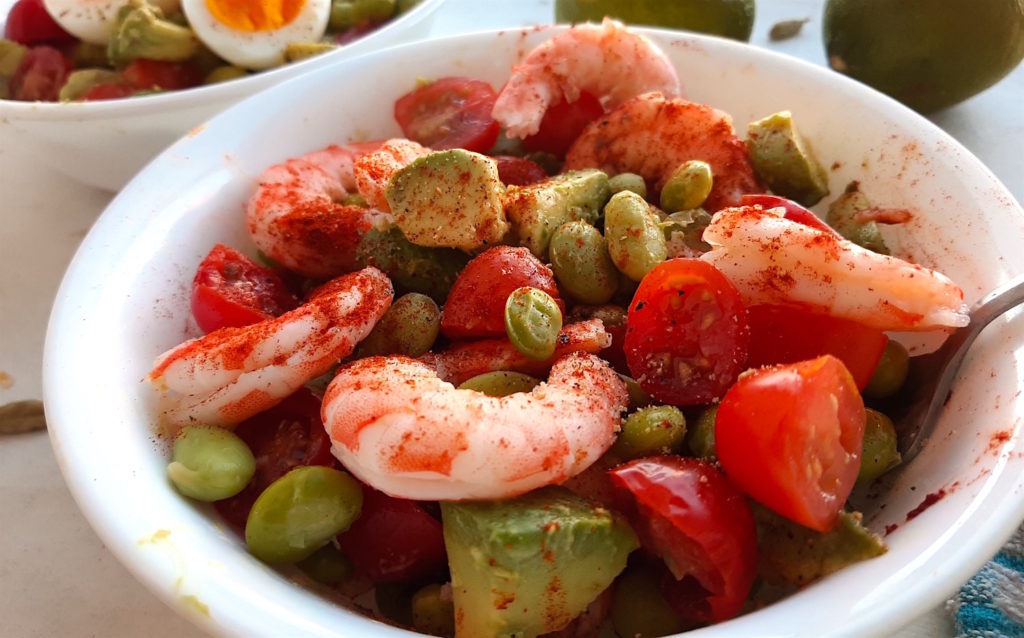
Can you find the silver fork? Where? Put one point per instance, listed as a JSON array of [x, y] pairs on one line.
[[930, 380]]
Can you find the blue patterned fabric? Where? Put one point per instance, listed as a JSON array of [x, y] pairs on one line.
[[991, 604]]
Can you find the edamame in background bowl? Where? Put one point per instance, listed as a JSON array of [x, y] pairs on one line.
[[940, 516], [97, 94]]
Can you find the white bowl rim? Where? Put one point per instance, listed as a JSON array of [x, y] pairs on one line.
[[918, 598], [145, 104]]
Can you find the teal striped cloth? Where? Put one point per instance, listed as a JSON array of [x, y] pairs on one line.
[[991, 604]]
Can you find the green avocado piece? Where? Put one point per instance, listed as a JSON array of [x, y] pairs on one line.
[[79, 82], [529, 565], [11, 54], [784, 160], [450, 199], [842, 215], [537, 210], [791, 554], [140, 31]]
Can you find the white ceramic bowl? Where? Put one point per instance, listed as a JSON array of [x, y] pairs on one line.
[[104, 144], [124, 300]]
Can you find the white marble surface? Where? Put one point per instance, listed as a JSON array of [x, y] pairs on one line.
[[56, 577]]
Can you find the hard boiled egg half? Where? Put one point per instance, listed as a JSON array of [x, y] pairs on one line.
[[254, 33], [92, 20]]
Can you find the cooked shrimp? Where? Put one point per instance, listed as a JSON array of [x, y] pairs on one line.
[[465, 361], [397, 426], [373, 170], [771, 259], [231, 374], [296, 218], [607, 60], [651, 135]]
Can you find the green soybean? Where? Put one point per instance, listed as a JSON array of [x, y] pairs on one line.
[[890, 373], [878, 453], [637, 397], [300, 512], [701, 438], [532, 322], [433, 613], [210, 463], [639, 610], [580, 260], [659, 429], [501, 383], [628, 182], [635, 239], [327, 565], [394, 601], [687, 187], [409, 327], [345, 15], [224, 73]]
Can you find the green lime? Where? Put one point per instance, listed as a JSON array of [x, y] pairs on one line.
[[729, 18], [928, 54]]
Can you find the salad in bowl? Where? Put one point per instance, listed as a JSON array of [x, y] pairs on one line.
[[541, 343]]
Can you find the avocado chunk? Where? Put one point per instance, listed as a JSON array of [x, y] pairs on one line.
[[784, 160], [79, 82], [529, 565], [791, 554], [140, 31], [537, 210], [11, 54], [295, 51], [450, 199], [843, 215]]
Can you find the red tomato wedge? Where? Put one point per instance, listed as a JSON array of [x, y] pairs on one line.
[[29, 23], [452, 112], [394, 540], [562, 124], [476, 302], [108, 91], [157, 75], [790, 436], [518, 171], [686, 333], [794, 212], [787, 334], [230, 289], [691, 515], [40, 75], [284, 437]]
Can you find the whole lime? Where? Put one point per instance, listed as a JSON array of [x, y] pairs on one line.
[[729, 18], [928, 54]]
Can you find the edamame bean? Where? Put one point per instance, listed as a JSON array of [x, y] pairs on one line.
[[224, 73], [637, 397], [501, 383], [210, 463], [701, 438], [635, 240], [687, 187], [878, 454], [580, 260], [639, 610], [433, 613], [351, 13], [532, 322], [409, 327], [628, 182], [890, 373], [300, 512], [659, 429], [327, 565], [394, 600]]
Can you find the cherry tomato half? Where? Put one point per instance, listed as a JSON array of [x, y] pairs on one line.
[[40, 75], [394, 540], [230, 289], [692, 516], [562, 124], [518, 171], [157, 75], [284, 437], [787, 334], [476, 303], [29, 23], [686, 333], [452, 112], [790, 436], [108, 91]]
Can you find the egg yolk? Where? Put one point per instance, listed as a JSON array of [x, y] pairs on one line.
[[254, 15]]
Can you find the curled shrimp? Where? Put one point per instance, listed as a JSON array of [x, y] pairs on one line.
[[296, 216], [397, 426], [231, 374], [771, 259], [606, 60], [651, 135], [374, 170], [462, 362]]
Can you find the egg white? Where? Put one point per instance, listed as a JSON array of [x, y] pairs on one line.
[[92, 20], [256, 49]]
